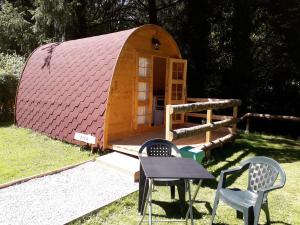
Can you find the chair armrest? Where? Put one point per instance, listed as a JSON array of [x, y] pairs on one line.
[[266, 190], [224, 173], [231, 171]]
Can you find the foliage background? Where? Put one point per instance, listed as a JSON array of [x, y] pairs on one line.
[[235, 49]]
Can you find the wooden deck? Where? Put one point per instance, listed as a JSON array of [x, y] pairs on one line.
[[131, 144]]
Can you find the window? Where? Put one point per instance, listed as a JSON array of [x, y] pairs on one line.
[[144, 67], [143, 89], [177, 91], [142, 115], [176, 86], [177, 73]]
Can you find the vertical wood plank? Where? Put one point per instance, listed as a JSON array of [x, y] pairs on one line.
[[235, 114], [208, 120], [168, 125], [150, 84]]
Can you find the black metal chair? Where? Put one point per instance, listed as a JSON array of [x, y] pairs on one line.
[[160, 148], [263, 173]]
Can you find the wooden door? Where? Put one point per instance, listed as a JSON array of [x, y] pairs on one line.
[[176, 86], [143, 92]]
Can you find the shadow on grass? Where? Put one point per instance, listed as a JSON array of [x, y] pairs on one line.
[[272, 140], [279, 222], [281, 149], [172, 210], [271, 222]]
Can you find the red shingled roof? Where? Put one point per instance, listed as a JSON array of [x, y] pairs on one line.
[[64, 86]]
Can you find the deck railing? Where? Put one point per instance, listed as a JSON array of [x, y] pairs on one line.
[[247, 117], [213, 122]]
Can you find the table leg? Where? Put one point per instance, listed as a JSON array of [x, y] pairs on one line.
[[150, 200], [146, 201], [190, 204], [193, 199]]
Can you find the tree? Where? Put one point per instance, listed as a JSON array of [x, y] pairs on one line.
[[16, 33]]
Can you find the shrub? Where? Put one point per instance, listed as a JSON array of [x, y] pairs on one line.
[[10, 69]]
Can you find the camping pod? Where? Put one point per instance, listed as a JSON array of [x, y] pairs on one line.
[[111, 86]]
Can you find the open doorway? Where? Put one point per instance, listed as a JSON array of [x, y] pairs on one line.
[[159, 81]]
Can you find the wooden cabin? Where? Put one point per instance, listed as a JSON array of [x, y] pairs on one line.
[[114, 87]]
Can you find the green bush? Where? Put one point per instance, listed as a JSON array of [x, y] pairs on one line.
[[8, 87], [11, 64], [10, 69]]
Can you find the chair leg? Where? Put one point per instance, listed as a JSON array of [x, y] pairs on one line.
[[248, 216], [172, 188], [181, 194], [143, 190], [265, 207], [144, 199], [216, 202]]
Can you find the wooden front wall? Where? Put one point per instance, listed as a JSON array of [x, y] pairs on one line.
[[121, 106]]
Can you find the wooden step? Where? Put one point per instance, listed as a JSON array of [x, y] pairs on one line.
[[121, 162]]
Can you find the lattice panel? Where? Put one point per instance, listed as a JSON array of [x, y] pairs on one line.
[[159, 150], [261, 176]]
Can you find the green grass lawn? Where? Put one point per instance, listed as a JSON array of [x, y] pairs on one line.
[[284, 204], [25, 153]]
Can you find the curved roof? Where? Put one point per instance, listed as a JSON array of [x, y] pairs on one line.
[[64, 86]]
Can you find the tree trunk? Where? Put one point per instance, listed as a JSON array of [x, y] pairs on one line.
[[152, 11]]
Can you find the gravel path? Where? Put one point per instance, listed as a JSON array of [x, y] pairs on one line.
[[59, 198]]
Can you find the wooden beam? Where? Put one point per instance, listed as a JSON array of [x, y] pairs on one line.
[[201, 106], [271, 117], [195, 130], [202, 115], [203, 99], [218, 142]]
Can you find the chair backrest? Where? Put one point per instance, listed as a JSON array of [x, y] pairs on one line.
[[263, 173], [159, 148]]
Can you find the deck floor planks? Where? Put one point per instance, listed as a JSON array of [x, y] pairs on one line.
[[131, 144]]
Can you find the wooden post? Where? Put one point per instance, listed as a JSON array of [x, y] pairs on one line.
[[168, 123], [235, 114], [208, 133], [247, 124], [208, 120]]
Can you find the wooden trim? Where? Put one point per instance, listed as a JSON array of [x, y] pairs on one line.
[[169, 83], [105, 129]]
